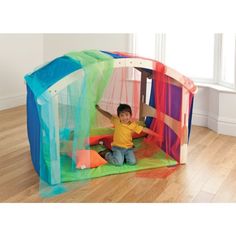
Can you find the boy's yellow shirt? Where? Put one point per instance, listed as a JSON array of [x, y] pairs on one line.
[[123, 133]]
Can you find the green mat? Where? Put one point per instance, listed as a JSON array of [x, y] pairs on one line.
[[159, 159]]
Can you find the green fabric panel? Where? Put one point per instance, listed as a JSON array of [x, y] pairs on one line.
[[98, 68], [159, 159], [76, 108]]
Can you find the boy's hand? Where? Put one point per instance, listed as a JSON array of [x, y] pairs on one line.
[[149, 131], [105, 113], [157, 136]]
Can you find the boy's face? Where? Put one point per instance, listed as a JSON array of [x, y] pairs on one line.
[[125, 117]]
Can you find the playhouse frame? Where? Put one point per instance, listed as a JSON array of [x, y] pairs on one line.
[[145, 110]]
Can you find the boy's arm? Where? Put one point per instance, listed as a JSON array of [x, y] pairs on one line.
[[105, 113], [149, 131]]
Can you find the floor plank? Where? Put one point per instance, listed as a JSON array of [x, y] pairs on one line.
[[208, 176]]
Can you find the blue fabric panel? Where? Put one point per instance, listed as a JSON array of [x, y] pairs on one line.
[[33, 129], [114, 55], [34, 135], [43, 78], [190, 119]]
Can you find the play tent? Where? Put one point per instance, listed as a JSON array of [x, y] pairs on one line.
[[66, 132]]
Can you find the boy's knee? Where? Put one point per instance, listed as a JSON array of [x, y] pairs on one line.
[[132, 162], [118, 162]]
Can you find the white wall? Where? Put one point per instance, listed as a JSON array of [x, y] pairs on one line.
[[215, 109], [20, 53], [58, 44]]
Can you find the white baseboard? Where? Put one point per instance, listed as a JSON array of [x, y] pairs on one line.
[[200, 119], [12, 101], [227, 126], [221, 125]]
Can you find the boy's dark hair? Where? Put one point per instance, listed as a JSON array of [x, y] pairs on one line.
[[123, 108]]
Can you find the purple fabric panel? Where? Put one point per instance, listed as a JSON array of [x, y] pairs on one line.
[[171, 144], [173, 107]]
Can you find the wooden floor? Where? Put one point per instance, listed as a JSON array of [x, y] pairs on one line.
[[208, 176]]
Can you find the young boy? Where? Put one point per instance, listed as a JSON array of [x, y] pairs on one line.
[[122, 145]]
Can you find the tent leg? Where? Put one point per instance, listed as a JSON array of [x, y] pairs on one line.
[[184, 126], [55, 170]]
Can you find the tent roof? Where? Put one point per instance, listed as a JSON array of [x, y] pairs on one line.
[[43, 78]]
